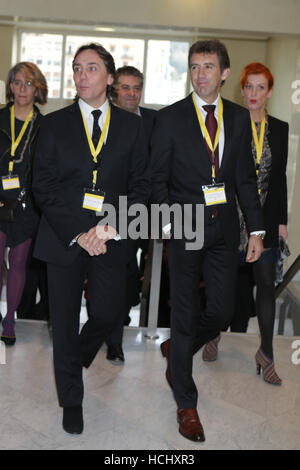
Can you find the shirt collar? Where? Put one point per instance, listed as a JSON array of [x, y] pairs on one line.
[[87, 109], [200, 102]]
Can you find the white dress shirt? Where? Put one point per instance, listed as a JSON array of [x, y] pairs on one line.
[[200, 104], [89, 118]]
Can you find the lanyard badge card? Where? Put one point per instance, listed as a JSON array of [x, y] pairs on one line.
[[12, 181], [213, 193], [93, 198]]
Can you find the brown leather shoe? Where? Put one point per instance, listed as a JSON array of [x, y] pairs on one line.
[[190, 425], [165, 350]]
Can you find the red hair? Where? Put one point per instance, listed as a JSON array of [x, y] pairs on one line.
[[256, 68]]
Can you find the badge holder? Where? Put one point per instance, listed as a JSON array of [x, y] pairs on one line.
[[10, 182], [93, 200], [214, 194]]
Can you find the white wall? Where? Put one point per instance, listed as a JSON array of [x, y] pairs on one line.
[[280, 16]]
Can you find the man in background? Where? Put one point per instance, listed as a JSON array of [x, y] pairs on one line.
[[126, 94]]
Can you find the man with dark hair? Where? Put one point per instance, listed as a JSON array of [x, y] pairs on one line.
[[126, 94], [212, 47], [201, 154], [88, 154]]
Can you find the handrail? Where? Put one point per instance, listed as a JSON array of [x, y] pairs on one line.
[[288, 276]]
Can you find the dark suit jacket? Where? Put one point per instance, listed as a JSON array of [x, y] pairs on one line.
[[275, 207], [149, 116], [63, 168], [180, 165]]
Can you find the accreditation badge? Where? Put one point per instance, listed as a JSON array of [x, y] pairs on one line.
[[93, 200], [214, 194], [10, 182]]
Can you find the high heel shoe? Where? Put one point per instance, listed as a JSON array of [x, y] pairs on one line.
[[210, 350], [8, 340], [267, 365]]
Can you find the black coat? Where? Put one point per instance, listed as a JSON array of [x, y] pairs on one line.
[[63, 168], [148, 116], [26, 222], [180, 165], [275, 206]]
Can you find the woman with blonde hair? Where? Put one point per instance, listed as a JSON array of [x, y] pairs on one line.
[[19, 125]]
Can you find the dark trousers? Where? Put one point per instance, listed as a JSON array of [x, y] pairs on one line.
[[133, 285], [190, 327], [72, 350]]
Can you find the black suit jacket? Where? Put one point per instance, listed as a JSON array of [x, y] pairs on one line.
[[180, 165], [275, 207], [63, 168], [149, 116]]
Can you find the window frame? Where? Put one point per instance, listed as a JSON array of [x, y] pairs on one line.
[[101, 34]]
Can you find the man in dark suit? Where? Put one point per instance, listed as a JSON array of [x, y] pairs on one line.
[[127, 94], [201, 154], [88, 153]]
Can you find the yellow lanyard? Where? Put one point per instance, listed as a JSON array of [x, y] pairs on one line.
[[211, 146], [14, 142], [259, 143], [95, 151]]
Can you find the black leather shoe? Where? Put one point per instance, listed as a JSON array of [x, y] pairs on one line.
[[8, 340], [165, 350], [115, 353], [73, 420]]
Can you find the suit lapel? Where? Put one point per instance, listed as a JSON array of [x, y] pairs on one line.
[[196, 138], [228, 117], [77, 131], [113, 128]]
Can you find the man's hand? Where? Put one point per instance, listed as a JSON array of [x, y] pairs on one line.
[[93, 244], [255, 248], [283, 232], [94, 241]]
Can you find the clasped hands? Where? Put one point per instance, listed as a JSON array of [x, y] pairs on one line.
[[94, 241]]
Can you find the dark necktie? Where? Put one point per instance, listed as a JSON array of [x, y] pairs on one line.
[[211, 125], [96, 129]]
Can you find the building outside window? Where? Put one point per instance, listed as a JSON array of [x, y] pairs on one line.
[[165, 69]]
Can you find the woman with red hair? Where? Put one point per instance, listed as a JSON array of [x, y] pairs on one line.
[[269, 150]]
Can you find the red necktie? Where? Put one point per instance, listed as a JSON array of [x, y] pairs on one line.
[[211, 125]]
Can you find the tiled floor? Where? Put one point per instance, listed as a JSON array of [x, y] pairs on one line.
[[131, 407]]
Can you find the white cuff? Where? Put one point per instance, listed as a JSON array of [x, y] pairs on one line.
[[166, 229], [259, 233]]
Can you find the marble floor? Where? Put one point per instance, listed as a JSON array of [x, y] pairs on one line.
[[131, 407]]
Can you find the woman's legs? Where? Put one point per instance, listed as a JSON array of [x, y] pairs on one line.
[[2, 253], [264, 274], [15, 284]]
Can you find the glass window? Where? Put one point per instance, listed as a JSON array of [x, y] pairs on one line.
[[166, 72], [124, 51], [35, 47]]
